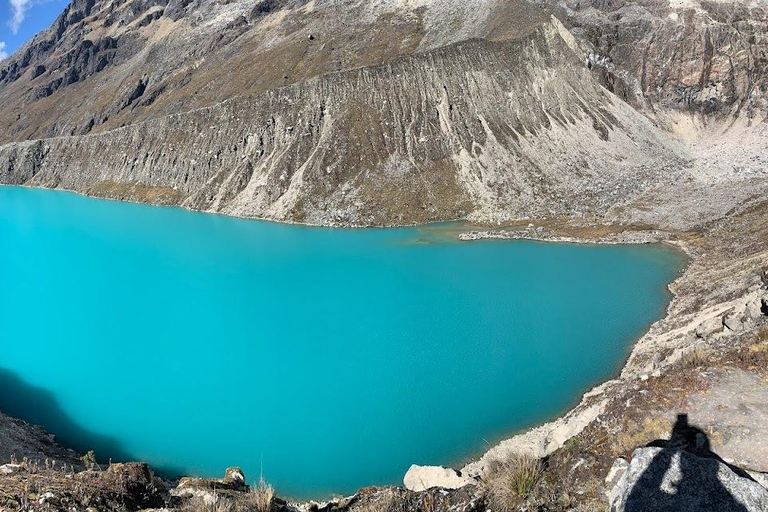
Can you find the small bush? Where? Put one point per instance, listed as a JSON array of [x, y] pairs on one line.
[[695, 358], [755, 354], [510, 481], [89, 459]]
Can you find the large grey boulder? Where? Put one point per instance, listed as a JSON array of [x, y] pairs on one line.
[[660, 479]]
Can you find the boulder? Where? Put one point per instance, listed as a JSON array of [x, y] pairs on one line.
[[421, 478], [709, 327], [141, 488], [9, 469], [663, 479], [206, 488], [235, 478]]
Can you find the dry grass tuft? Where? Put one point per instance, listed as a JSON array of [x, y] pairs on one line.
[[695, 358], [755, 355], [510, 481], [259, 499]]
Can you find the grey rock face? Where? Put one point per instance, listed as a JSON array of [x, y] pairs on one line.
[[661, 479], [696, 56], [616, 473]]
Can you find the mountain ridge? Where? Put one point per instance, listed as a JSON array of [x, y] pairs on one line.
[[457, 179]]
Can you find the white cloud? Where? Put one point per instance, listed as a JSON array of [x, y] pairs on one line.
[[3, 53], [19, 9]]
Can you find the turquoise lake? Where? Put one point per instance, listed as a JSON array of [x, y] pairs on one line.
[[328, 358]]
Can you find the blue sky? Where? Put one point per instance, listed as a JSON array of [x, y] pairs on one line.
[[22, 19]]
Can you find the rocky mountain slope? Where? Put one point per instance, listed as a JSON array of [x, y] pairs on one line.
[[106, 63], [691, 56], [449, 109]]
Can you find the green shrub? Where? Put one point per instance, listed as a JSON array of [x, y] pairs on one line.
[[89, 459]]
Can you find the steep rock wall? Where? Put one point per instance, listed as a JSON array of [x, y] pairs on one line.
[[703, 57]]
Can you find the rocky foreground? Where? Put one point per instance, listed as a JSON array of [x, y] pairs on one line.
[[605, 122]]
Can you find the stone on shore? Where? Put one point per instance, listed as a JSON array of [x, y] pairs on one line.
[[421, 478], [235, 477], [9, 469]]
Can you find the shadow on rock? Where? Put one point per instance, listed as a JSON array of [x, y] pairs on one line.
[[684, 474], [38, 406]]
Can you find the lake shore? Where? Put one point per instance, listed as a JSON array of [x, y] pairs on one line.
[[723, 280], [683, 330], [716, 310]]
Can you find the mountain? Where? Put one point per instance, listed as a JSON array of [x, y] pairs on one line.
[[109, 63], [347, 111]]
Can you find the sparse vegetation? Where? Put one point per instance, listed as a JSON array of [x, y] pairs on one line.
[[207, 504], [59, 487], [259, 499], [755, 355], [510, 481], [634, 434], [384, 502], [135, 191], [695, 358], [89, 459]]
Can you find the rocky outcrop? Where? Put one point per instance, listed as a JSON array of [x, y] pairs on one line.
[[234, 480], [126, 487], [21, 441], [694, 56], [421, 478], [664, 479]]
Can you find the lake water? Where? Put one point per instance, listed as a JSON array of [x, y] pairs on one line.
[[329, 359]]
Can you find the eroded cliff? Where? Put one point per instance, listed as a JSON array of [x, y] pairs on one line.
[[487, 129]]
